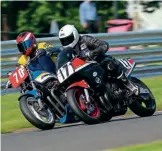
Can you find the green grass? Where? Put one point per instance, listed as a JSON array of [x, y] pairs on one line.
[[6, 59], [4, 79], [158, 63], [154, 146], [12, 118], [155, 84]]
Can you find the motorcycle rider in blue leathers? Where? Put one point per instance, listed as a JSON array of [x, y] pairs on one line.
[[37, 53]]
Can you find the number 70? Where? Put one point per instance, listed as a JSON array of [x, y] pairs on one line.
[[20, 73]]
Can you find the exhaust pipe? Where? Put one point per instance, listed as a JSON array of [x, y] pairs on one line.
[[53, 104], [57, 100]]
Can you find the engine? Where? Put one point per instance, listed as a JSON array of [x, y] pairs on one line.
[[115, 92], [50, 83]]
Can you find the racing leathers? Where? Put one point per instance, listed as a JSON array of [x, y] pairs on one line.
[[40, 59], [95, 49]]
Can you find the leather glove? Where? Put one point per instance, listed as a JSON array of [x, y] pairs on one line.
[[53, 51], [86, 54]]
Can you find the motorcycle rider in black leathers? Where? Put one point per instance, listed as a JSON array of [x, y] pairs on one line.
[[92, 48]]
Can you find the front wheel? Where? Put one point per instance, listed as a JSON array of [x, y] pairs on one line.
[[144, 104], [89, 113], [43, 119]]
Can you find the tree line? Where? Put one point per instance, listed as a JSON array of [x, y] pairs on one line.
[[36, 16]]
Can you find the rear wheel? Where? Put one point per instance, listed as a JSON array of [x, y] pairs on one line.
[[89, 113], [144, 104]]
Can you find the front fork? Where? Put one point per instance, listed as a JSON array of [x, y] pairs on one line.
[[104, 100], [89, 105], [87, 95], [41, 106]]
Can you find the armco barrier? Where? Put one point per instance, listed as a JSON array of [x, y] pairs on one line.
[[142, 56]]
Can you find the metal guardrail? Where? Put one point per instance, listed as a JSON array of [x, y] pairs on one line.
[[142, 56]]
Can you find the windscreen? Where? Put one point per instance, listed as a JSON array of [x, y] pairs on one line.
[[63, 57]]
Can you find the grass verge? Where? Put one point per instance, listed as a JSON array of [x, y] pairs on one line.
[[154, 146], [12, 118], [4, 79], [155, 84]]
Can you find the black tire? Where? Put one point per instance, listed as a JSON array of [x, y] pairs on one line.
[[76, 109], [30, 116], [150, 104], [105, 118]]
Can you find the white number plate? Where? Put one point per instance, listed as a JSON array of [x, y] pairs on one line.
[[65, 71]]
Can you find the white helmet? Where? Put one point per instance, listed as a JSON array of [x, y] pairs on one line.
[[68, 36]]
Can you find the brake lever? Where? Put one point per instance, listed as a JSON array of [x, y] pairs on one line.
[[8, 85]]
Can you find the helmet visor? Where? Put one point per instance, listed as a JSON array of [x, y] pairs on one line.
[[67, 40], [25, 45]]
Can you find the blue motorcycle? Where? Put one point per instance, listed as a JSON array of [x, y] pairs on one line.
[[42, 102]]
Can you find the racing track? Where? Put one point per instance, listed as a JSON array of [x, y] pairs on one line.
[[118, 132]]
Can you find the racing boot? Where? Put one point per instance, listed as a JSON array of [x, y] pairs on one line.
[[134, 89]]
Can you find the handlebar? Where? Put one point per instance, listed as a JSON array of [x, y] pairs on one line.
[[8, 85]]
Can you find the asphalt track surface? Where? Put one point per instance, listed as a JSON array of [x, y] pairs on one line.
[[79, 137]]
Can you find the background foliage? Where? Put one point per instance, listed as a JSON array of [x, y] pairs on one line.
[[36, 16]]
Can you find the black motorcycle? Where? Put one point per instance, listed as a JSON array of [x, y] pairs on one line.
[[93, 96]]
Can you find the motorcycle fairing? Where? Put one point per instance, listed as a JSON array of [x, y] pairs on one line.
[[70, 68], [81, 83], [41, 76], [129, 64]]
